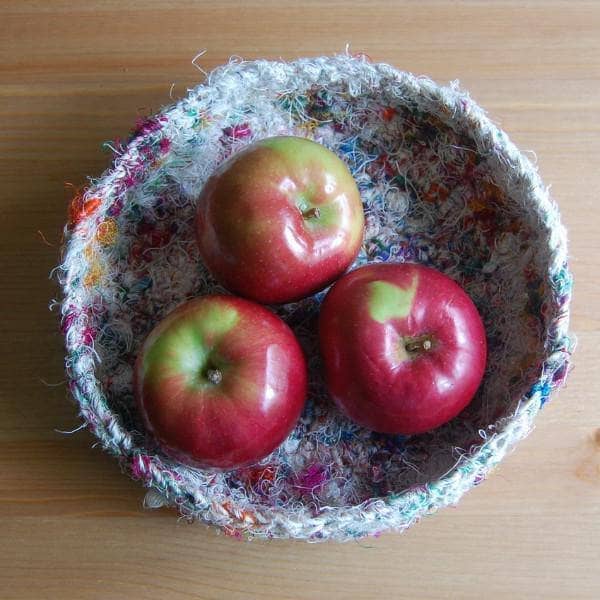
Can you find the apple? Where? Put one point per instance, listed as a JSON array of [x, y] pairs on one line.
[[279, 220], [403, 345], [220, 382]]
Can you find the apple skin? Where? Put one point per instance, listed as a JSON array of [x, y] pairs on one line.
[[403, 345], [220, 382], [280, 220]]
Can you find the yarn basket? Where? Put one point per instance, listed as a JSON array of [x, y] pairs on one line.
[[441, 185]]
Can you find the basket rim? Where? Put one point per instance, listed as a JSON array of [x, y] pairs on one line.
[[394, 511]]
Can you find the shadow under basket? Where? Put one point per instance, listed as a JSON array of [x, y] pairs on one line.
[[441, 185]]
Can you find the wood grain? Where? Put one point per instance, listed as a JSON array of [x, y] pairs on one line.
[[73, 75]]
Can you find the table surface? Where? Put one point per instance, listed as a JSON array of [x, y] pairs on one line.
[[75, 74]]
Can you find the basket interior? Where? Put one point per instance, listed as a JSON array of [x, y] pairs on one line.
[[430, 196]]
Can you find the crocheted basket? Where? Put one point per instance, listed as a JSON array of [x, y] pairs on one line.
[[441, 185]]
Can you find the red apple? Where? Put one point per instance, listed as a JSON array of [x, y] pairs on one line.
[[403, 345], [220, 382], [280, 220]]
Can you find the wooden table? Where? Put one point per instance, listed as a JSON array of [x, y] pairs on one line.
[[74, 74]]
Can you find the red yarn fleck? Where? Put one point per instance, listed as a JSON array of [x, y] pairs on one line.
[[164, 145], [231, 532], [383, 161], [140, 467], [256, 474], [80, 209], [68, 321], [388, 113], [238, 132], [259, 478], [88, 336], [145, 125], [312, 478], [436, 193], [160, 238]]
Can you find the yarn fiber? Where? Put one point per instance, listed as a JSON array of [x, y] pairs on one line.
[[441, 185]]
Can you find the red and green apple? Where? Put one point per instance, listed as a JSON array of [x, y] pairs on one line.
[[220, 382], [403, 345], [279, 220]]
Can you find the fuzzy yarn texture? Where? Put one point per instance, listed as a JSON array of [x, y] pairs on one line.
[[441, 185]]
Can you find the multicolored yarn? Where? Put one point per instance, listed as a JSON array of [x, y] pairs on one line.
[[441, 185]]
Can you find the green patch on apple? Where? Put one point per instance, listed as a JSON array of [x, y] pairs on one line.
[[191, 350], [388, 301]]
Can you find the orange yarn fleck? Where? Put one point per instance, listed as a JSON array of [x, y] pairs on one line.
[[486, 193], [249, 517], [477, 205], [491, 191], [107, 231], [79, 208], [94, 275]]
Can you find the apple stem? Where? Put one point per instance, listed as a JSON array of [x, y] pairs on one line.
[[312, 213], [419, 344], [214, 376]]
